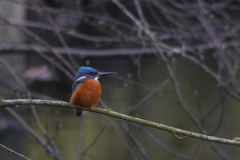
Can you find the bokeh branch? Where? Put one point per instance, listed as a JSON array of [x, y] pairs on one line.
[[14, 152]]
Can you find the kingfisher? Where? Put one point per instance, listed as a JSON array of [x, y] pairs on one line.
[[86, 89]]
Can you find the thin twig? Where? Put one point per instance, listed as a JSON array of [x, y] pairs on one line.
[[14, 152], [94, 141]]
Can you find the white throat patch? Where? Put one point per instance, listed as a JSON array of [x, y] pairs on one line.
[[96, 78]]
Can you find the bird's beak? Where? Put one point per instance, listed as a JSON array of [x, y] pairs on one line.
[[105, 73]]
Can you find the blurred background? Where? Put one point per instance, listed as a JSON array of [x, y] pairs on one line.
[[177, 64]]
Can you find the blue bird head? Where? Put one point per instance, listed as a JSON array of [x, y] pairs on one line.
[[88, 73], [83, 71]]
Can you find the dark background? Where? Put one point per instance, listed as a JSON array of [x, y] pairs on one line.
[[191, 48]]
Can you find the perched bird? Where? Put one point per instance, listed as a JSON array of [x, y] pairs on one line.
[[86, 89]]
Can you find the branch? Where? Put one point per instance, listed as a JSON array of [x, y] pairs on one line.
[[74, 51], [38, 139], [14, 152], [9, 103]]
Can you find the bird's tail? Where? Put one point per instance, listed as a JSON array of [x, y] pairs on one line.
[[79, 112]]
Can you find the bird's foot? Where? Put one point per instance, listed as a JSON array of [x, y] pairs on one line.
[[91, 108]]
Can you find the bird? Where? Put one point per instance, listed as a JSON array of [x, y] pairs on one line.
[[86, 89]]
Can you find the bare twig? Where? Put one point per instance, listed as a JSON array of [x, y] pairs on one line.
[[14, 152]]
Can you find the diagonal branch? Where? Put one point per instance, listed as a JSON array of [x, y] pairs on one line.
[[9, 103], [14, 152]]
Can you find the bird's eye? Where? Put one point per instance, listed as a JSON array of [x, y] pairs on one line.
[[93, 74]]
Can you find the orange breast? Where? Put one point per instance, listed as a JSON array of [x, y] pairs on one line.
[[87, 94]]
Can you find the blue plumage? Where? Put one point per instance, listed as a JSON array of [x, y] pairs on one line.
[[82, 72], [74, 86], [85, 71]]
